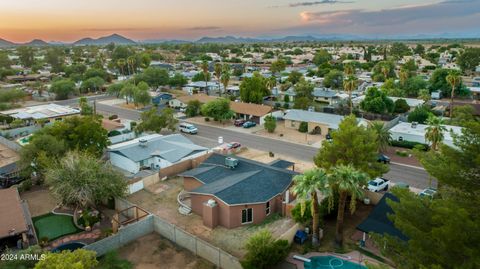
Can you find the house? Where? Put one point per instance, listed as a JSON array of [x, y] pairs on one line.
[[232, 192], [324, 95], [318, 123], [413, 132], [15, 222], [153, 152], [8, 164], [247, 111], [47, 112], [118, 131], [251, 112]]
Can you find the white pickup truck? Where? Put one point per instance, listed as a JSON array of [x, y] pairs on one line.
[[378, 184]]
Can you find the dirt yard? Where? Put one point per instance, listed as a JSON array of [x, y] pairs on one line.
[[263, 157], [39, 200], [161, 200], [152, 252], [291, 135]]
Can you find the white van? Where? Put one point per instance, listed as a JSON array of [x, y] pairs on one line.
[[188, 128]]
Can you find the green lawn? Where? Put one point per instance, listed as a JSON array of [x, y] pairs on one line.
[[54, 226]]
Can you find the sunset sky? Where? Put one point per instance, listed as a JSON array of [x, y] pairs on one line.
[[70, 20]]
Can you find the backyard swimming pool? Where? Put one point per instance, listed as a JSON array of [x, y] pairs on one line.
[[331, 262], [69, 246]]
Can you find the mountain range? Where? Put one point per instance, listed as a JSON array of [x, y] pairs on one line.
[[121, 40]]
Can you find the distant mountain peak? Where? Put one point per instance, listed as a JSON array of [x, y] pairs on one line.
[[105, 40]]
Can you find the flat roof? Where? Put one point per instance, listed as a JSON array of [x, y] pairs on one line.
[[41, 112], [12, 216], [420, 130]]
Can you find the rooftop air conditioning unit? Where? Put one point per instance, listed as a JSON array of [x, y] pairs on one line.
[[231, 162], [143, 142], [414, 124]]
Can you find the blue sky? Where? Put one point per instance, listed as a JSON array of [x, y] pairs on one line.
[[67, 20]]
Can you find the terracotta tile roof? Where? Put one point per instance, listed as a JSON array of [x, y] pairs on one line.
[[12, 217], [203, 98], [111, 125], [250, 109]]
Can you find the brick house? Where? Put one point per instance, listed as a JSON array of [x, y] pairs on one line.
[[240, 194]]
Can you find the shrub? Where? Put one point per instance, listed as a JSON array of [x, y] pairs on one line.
[[114, 133], [278, 105], [408, 144], [402, 153], [25, 185], [270, 123], [207, 119], [401, 106], [286, 105], [297, 216], [263, 251], [113, 117], [303, 128], [420, 114]]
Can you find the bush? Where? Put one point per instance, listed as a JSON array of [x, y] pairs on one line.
[[297, 216], [401, 153], [263, 251], [207, 119], [286, 105], [303, 128], [114, 133], [25, 185], [270, 124], [113, 117], [278, 105], [401, 106], [408, 144], [420, 114]]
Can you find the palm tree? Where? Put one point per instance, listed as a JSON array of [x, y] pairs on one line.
[[454, 80], [121, 63], [217, 69], [350, 84], [349, 69], [131, 64], [383, 135], [205, 71], [434, 131], [348, 182], [403, 75], [305, 187], [271, 82], [225, 78], [385, 69]]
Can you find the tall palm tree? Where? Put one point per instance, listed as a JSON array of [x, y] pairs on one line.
[[217, 69], [403, 75], [206, 73], [225, 78], [434, 131], [305, 187], [385, 69], [121, 64], [349, 69], [348, 182], [271, 82], [454, 80], [131, 64], [383, 135], [350, 84]]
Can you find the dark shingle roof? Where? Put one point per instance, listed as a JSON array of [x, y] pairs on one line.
[[248, 183], [281, 164], [378, 221]]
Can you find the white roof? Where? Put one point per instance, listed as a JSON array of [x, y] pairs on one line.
[[406, 129], [41, 112]]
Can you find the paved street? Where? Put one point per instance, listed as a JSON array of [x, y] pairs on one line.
[[208, 136]]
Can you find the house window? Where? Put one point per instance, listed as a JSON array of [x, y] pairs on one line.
[[247, 215], [400, 138], [267, 208]]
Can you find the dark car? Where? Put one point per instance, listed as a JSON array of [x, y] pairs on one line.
[[383, 159], [239, 122], [249, 124]]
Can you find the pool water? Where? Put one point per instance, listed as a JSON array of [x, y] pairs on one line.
[[331, 262], [69, 246]]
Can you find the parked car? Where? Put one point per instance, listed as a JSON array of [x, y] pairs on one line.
[[249, 124], [382, 158], [378, 184], [239, 122], [233, 145], [428, 192], [188, 128]]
